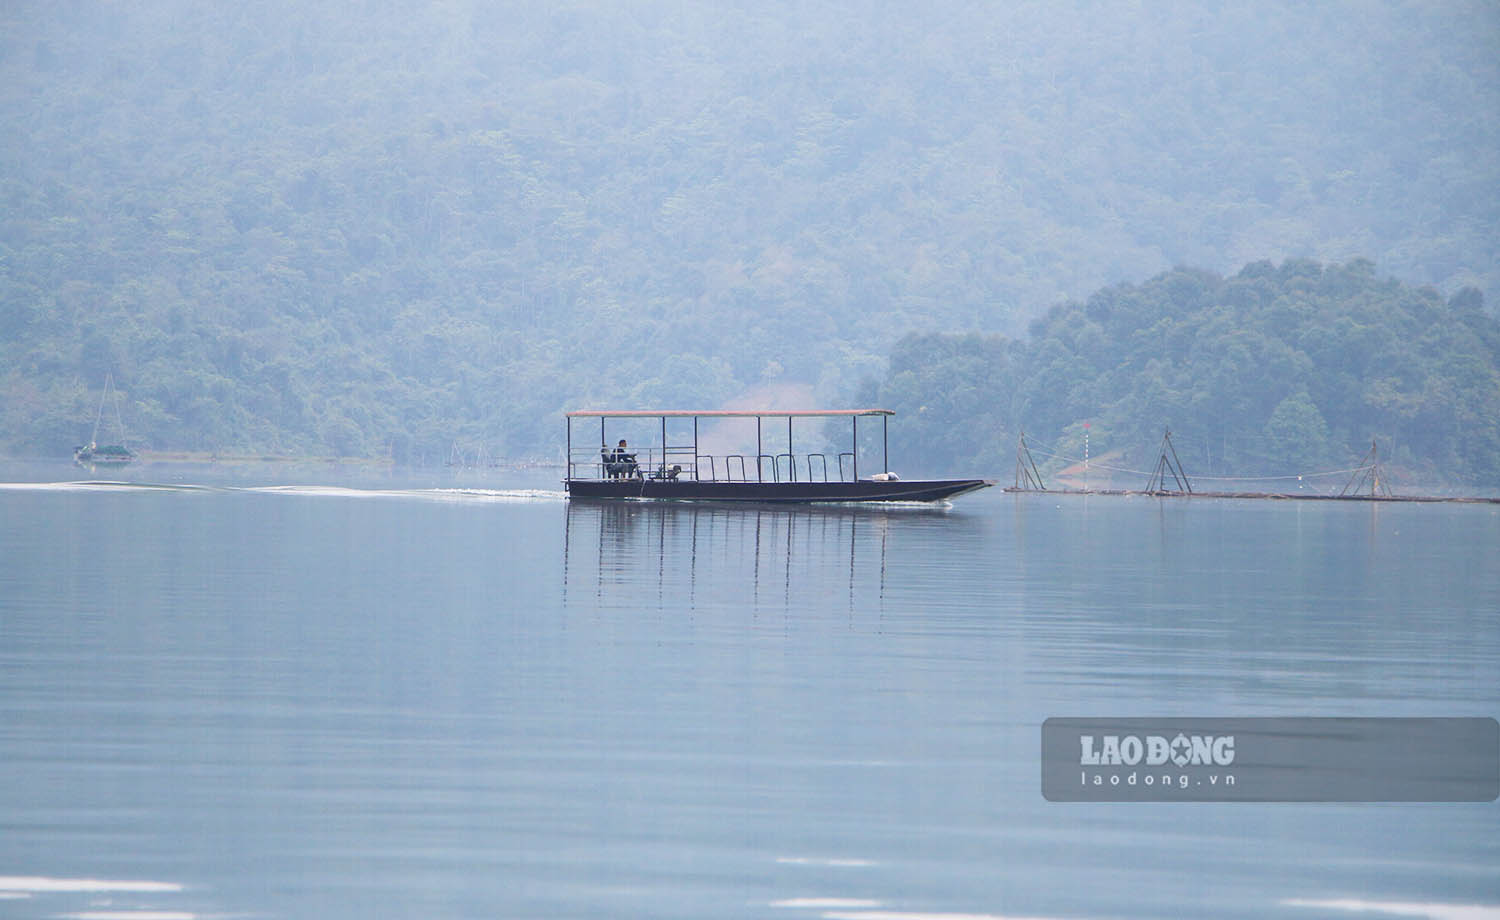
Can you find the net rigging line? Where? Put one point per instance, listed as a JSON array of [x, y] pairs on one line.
[[1239, 444], [1116, 469]]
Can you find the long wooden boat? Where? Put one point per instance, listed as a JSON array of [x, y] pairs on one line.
[[681, 471]]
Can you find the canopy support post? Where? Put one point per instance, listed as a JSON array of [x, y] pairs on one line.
[[791, 456]]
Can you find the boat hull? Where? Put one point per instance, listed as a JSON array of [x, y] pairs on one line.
[[90, 458], [864, 490]]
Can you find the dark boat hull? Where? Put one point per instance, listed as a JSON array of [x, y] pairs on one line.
[[86, 457], [864, 490]]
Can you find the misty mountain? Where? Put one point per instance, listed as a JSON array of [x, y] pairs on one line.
[[378, 228]]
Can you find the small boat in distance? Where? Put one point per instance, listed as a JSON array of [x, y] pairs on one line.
[[103, 455], [682, 472], [111, 455]]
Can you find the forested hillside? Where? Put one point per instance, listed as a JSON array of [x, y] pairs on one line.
[[1278, 370], [380, 228]]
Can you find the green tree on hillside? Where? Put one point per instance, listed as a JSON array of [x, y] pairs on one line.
[[1277, 370]]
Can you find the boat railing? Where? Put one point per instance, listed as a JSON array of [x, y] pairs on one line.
[[650, 462], [731, 461], [679, 462], [658, 463], [769, 468]]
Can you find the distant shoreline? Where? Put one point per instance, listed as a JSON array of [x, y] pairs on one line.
[[209, 458]]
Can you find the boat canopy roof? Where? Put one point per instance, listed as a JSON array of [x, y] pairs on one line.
[[725, 413]]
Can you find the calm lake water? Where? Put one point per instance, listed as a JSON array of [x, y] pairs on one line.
[[471, 699]]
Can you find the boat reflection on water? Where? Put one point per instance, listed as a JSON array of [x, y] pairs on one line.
[[694, 556]]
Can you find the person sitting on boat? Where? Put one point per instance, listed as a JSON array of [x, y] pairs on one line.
[[620, 462]]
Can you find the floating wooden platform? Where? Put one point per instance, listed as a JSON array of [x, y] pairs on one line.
[[1286, 496]]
